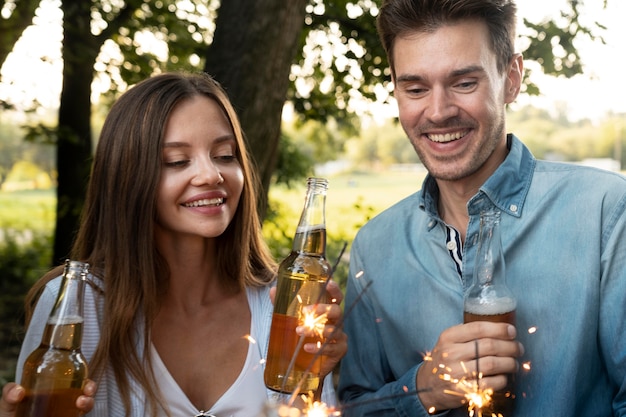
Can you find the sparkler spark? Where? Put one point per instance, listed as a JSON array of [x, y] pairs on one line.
[[476, 397], [467, 386], [313, 322], [318, 408], [311, 408]]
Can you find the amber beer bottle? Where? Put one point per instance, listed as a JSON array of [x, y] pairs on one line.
[[302, 280], [489, 299], [54, 373]]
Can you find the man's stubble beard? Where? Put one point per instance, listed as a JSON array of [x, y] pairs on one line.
[[478, 157]]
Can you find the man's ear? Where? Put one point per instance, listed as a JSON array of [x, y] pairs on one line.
[[515, 72]]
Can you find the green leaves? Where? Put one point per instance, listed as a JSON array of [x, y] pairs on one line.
[[552, 42]]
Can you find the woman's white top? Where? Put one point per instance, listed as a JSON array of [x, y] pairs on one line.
[[245, 397]]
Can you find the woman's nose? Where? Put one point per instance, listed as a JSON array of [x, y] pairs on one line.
[[207, 172]]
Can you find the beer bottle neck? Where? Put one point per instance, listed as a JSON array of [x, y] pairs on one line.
[[310, 235], [64, 326], [489, 268]]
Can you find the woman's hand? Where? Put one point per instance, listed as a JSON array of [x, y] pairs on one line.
[[86, 401], [13, 394]]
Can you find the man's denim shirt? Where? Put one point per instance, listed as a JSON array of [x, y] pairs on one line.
[[564, 239]]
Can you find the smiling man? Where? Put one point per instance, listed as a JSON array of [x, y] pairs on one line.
[[563, 233]]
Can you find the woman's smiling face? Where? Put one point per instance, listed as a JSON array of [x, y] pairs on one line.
[[201, 179]]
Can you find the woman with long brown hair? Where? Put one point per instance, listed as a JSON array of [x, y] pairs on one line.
[[178, 311]]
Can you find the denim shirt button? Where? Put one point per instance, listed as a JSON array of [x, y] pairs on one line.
[[513, 208], [451, 245]]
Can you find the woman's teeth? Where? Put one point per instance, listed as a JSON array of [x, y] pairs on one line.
[[205, 202]]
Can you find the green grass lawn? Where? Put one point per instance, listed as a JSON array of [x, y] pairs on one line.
[[33, 210]]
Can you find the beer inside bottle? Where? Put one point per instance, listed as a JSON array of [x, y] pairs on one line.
[[302, 278], [53, 374]]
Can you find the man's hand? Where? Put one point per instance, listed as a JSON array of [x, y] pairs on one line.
[[454, 358]]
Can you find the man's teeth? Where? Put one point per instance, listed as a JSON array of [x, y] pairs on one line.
[[205, 202], [448, 137]]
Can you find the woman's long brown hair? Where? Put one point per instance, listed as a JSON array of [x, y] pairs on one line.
[[116, 235]]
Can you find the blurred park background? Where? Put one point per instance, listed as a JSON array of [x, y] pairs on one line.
[[310, 82]]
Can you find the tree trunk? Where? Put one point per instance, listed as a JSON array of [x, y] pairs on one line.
[[74, 129], [253, 48]]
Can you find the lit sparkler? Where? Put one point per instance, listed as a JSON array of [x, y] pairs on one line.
[[313, 322], [316, 323], [311, 409], [318, 409], [476, 397]]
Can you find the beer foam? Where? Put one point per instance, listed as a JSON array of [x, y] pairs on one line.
[[490, 307]]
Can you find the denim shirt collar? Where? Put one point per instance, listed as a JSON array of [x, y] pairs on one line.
[[506, 188]]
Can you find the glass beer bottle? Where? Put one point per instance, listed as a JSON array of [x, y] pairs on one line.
[[54, 373], [489, 298], [302, 280]]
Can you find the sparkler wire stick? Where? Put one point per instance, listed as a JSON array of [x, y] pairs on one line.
[[477, 368], [332, 272], [480, 409]]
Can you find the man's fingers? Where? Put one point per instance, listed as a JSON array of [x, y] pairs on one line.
[[334, 293], [478, 330]]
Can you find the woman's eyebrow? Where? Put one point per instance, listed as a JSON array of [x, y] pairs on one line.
[[182, 144]]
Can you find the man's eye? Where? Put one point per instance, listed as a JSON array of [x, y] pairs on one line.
[[466, 85], [415, 90]]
